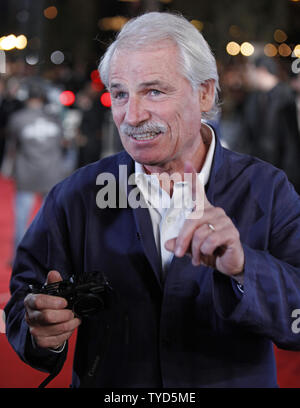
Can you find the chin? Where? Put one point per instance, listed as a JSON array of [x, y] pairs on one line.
[[144, 157], [146, 161]]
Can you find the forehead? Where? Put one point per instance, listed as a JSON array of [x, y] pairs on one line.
[[159, 61]]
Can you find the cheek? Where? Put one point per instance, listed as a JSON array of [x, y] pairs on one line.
[[116, 114], [180, 124]]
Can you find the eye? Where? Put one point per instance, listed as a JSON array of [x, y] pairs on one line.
[[155, 92], [119, 95]]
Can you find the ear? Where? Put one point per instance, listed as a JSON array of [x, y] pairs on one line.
[[207, 95]]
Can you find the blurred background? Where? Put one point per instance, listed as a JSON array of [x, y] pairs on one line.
[[55, 112]]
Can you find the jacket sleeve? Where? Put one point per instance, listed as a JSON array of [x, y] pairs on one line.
[[271, 276], [42, 249]]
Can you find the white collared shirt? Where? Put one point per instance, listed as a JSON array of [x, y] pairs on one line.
[[167, 217]]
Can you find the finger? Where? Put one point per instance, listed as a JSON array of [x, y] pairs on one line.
[[204, 231], [215, 243], [209, 244], [41, 301], [55, 329], [48, 316], [170, 244], [184, 238], [52, 341], [53, 276], [198, 238], [213, 215]]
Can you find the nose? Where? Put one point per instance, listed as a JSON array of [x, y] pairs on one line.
[[136, 113]]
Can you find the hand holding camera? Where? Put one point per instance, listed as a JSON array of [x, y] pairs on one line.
[[50, 322]]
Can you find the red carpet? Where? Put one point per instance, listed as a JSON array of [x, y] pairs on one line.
[[15, 374]]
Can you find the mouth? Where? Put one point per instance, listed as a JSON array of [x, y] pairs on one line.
[[144, 136]]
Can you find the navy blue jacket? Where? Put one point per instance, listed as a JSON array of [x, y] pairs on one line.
[[195, 329]]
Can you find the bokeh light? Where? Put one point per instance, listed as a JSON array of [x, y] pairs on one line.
[[280, 36], [112, 23], [97, 84], [296, 52], [247, 49], [50, 12], [270, 50], [32, 59], [67, 98], [57, 57], [8, 43], [105, 99], [233, 48], [284, 50], [1, 39], [21, 42], [198, 24]]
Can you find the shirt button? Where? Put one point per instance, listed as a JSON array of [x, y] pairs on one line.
[[170, 219]]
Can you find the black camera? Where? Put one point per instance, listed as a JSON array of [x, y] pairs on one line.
[[86, 296]]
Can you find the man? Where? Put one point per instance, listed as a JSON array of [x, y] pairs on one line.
[[35, 150], [201, 291], [270, 120]]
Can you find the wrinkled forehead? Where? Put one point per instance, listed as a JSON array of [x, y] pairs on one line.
[[130, 48], [157, 58]]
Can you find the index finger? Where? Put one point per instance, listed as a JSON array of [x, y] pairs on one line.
[[41, 301]]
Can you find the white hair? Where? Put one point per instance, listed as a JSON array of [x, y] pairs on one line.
[[196, 59]]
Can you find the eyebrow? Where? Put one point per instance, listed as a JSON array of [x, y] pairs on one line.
[[115, 86], [158, 83], [151, 83], [147, 84]]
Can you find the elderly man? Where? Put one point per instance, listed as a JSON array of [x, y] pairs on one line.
[[201, 291]]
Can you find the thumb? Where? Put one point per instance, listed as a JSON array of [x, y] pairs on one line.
[[170, 244], [53, 276]]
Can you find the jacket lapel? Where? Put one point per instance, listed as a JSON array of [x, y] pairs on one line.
[[145, 234], [142, 219]]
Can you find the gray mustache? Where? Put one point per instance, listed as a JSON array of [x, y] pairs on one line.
[[149, 127]]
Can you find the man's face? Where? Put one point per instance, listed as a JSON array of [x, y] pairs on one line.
[[155, 109]]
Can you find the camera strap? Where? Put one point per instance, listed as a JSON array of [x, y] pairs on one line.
[[57, 369], [103, 336]]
